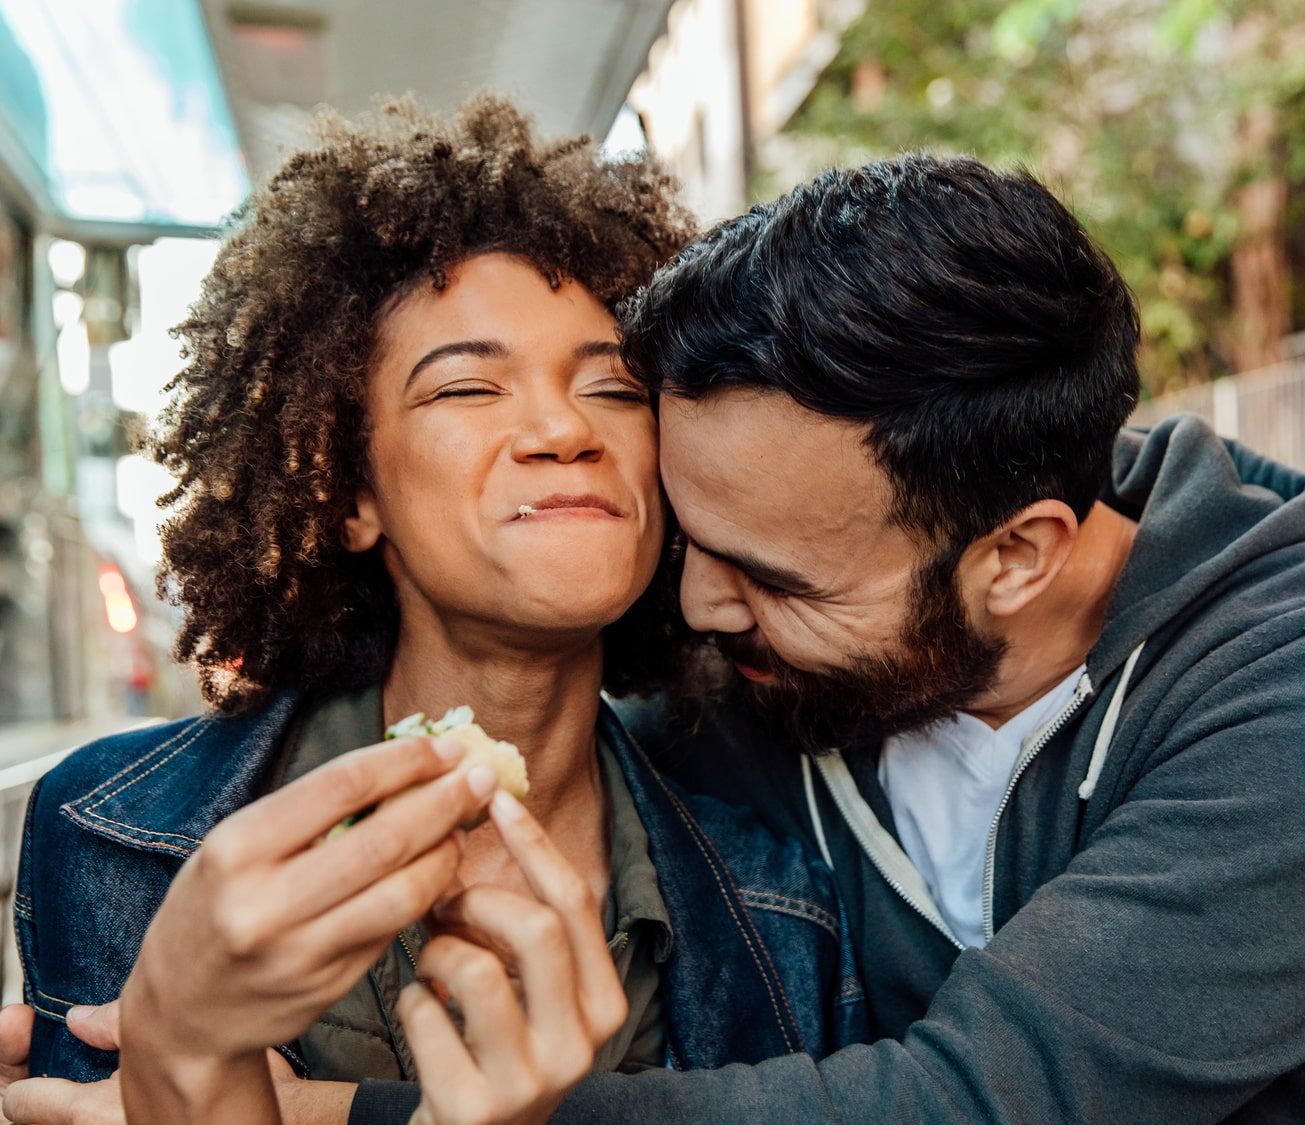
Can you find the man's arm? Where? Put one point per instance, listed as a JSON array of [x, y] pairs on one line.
[[1160, 978]]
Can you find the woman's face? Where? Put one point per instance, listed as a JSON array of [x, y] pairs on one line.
[[495, 394]]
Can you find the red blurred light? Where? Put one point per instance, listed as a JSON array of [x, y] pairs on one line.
[[118, 606]]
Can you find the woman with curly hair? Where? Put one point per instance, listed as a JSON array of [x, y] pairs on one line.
[[413, 476]]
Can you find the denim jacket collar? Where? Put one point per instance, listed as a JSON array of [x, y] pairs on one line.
[[169, 799]]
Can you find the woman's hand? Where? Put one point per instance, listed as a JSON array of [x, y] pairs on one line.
[[261, 930], [516, 1058]]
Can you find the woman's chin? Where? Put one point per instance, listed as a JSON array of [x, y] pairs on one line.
[[571, 611]]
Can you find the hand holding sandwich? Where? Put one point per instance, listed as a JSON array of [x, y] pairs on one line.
[[261, 930]]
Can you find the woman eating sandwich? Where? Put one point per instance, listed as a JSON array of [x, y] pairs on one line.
[[414, 477]]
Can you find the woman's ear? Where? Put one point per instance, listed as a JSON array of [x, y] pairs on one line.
[[1023, 557], [362, 530]]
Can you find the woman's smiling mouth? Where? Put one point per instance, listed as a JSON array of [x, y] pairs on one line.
[[561, 505]]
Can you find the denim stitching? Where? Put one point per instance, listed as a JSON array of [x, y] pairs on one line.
[[801, 905], [23, 911], [144, 831], [157, 765], [56, 999], [47, 1012], [126, 839], [145, 758], [796, 908], [699, 838], [694, 833]]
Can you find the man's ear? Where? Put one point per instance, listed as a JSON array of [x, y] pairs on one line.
[[362, 530], [1021, 559]]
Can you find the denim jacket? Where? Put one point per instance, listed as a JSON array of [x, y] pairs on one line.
[[760, 965]]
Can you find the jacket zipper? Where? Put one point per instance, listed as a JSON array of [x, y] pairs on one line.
[[1081, 693], [868, 849], [906, 898], [412, 957]]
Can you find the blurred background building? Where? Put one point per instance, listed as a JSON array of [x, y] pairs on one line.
[[129, 130]]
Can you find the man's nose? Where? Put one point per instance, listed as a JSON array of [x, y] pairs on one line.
[[554, 428], [709, 595]]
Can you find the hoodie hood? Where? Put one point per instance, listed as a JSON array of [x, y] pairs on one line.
[[1249, 508]]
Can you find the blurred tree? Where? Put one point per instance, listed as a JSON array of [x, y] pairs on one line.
[[1174, 128]]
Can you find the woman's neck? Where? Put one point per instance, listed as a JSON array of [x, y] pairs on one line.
[[543, 700]]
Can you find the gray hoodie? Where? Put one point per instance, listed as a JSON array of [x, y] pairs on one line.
[[1145, 888]]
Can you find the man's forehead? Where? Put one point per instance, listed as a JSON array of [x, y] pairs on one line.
[[759, 460]]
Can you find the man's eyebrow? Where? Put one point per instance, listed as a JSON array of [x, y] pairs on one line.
[[483, 349], [597, 348], [768, 574]]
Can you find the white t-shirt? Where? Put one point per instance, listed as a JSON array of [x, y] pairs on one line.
[[944, 784]]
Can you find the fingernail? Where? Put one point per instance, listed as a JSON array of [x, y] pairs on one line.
[[507, 806], [481, 780], [450, 749], [79, 1012]]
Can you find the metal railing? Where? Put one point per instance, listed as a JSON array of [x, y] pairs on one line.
[[1263, 409]]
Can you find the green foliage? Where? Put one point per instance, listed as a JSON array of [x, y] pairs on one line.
[[1135, 111]]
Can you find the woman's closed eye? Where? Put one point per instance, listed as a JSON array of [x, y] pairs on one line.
[[465, 390], [618, 391]]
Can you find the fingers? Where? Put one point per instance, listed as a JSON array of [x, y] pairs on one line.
[[530, 935], [42, 1102], [495, 1028], [391, 838], [291, 818], [507, 1066], [451, 1083], [556, 883], [15, 1034], [392, 902], [95, 1026]]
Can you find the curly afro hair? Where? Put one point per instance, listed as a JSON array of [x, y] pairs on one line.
[[266, 433]]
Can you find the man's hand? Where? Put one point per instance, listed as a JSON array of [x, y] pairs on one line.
[[516, 1058], [15, 1043], [53, 1101], [49, 1100]]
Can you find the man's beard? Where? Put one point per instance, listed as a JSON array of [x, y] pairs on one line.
[[938, 664]]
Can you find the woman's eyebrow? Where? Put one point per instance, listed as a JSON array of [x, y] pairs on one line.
[[482, 349]]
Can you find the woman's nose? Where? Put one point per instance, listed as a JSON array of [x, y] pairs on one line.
[[709, 596], [555, 429]]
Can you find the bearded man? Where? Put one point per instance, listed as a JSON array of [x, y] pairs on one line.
[[1048, 675]]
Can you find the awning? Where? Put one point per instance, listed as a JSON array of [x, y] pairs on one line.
[[569, 63], [113, 112]]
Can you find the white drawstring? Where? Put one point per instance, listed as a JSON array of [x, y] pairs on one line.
[[814, 810], [1102, 746]]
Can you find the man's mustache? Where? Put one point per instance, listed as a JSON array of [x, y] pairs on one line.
[[747, 649]]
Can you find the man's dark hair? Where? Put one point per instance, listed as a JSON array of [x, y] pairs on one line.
[[267, 434], [962, 314]]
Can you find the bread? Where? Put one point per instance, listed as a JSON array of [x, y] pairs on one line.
[[460, 723]]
